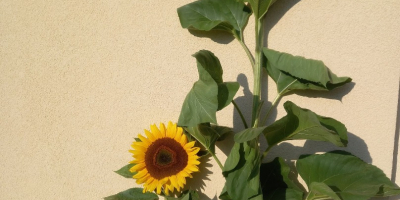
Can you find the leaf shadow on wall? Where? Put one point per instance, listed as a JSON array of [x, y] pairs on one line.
[[220, 37], [197, 182], [275, 13], [356, 146]]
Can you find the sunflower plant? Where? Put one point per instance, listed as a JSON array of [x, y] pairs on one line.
[[165, 156]]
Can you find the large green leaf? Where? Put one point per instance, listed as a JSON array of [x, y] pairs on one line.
[[222, 131], [201, 103], [301, 123], [275, 181], [321, 191], [298, 73], [206, 15], [186, 195], [209, 94], [260, 7], [204, 134], [248, 134], [226, 93], [125, 171], [285, 194], [348, 176], [133, 194], [243, 175], [208, 61]]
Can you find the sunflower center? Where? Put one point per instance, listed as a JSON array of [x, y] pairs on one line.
[[165, 157]]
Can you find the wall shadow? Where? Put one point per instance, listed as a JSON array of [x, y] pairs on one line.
[[356, 146], [220, 37], [275, 13], [197, 182], [337, 93], [244, 103]]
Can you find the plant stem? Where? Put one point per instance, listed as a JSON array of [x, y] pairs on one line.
[[270, 108], [266, 152], [246, 49], [240, 113], [257, 72], [217, 160], [276, 100]]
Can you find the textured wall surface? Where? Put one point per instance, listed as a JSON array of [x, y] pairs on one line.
[[79, 80]]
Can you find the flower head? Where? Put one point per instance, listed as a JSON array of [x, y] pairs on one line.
[[164, 159]]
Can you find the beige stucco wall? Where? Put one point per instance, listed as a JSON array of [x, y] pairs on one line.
[[79, 80]]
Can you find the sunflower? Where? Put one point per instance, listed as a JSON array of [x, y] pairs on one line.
[[164, 159]]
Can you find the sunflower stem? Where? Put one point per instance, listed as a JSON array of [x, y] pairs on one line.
[[217, 160]]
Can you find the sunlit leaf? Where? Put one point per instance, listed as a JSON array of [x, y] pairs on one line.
[[243, 178], [206, 15], [186, 195], [260, 7], [201, 103], [321, 191], [348, 176], [226, 93], [302, 123], [133, 194], [125, 171], [248, 134], [205, 135], [209, 94], [298, 73]]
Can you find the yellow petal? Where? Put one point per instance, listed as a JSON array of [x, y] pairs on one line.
[[181, 181], [143, 179], [171, 129], [178, 137], [149, 135], [153, 185], [144, 140], [163, 129], [137, 167], [189, 145], [174, 181], [156, 132], [140, 174], [159, 189], [192, 168], [183, 140]]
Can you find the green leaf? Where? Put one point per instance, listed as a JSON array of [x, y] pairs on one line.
[[223, 15], [205, 135], [133, 194], [274, 176], [301, 123], [209, 94], [298, 73], [348, 176], [186, 195], [224, 194], [286, 194], [201, 103], [243, 180], [248, 134], [321, 191], [260, 7], [233, 159], [208, 61], [226, 93], [275, 181], [222, 131], [125, 171]]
